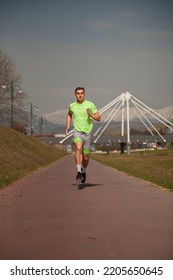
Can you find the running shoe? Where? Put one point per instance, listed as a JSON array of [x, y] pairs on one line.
[[83, 178], [79, 176]]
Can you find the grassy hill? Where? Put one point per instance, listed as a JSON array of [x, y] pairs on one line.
[[153, 166], [21, 154]]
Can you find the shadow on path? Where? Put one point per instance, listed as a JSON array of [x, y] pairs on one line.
[[87, 185]]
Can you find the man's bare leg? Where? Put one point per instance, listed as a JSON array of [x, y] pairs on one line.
[[85, 162], [78, 159]]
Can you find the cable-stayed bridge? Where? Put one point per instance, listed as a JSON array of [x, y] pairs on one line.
[[121, 108]]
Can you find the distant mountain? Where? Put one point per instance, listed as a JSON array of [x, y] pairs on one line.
[[167, 112], [59, 117]]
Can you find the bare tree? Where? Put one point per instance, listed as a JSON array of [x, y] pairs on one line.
[[11, 95]]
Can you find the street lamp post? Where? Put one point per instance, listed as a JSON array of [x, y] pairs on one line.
[[12, 88], [41, 125], [31, 115], [12, 102], [31, 118], [31, 112]]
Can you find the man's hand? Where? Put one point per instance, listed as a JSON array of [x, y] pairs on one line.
[[66, 132], [95, 116]]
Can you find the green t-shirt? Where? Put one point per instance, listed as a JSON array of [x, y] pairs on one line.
[[81, 120]]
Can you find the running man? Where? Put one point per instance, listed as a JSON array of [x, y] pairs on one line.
[[83, 113]]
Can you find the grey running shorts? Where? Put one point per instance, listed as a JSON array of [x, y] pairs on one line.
[[85, 138]]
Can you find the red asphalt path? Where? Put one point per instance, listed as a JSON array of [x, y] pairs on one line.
[[113, 216]]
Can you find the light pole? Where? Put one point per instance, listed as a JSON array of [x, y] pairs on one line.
[[12, 89], [31, 115], [12, 102], [41, 125]]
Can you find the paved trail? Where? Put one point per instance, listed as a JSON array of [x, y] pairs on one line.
[[114, 216]]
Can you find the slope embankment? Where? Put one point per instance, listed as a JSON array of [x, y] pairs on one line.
[[21, 154]]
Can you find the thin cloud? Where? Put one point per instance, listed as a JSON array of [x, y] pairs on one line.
[[128, 13], [100, 25], [152, 33]]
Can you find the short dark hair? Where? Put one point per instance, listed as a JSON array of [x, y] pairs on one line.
[[80, 88]]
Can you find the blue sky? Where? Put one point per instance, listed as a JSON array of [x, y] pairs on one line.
[[109, 47]]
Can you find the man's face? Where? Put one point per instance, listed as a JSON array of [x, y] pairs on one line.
[[80, 94]]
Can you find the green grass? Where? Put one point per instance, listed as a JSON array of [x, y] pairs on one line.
[[21, 154], [153, 166]]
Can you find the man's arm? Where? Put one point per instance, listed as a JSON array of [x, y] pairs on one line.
[[96, 116], [68, 122]]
